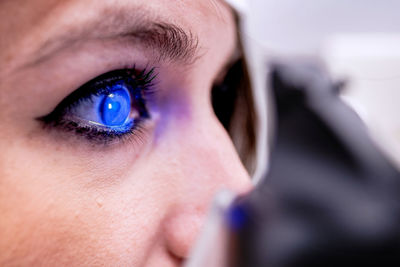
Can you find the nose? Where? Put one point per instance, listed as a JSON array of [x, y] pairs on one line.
[[208, 163]]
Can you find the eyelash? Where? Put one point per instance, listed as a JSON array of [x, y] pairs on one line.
[[142, 88]]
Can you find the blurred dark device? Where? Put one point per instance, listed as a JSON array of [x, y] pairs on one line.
[[330, 197]]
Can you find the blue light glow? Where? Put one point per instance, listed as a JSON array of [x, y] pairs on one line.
[[237, 217]]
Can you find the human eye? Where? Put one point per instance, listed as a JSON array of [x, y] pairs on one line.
[[107, 108]]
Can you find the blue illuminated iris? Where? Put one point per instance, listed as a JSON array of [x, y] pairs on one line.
[[115, 107]]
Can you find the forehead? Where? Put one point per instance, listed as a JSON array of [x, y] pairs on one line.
[[35, 20], [27, 12]]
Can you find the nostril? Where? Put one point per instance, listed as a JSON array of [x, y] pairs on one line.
[[181, 230]]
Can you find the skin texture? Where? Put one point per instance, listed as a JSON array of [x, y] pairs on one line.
[[139, 201]]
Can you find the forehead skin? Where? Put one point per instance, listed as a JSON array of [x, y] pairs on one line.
[[25, 25]]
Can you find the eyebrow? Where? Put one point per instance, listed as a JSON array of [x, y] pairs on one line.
[[167, 41], [171, 41]]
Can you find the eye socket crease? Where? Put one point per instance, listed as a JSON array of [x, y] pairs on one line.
[[168, 41]]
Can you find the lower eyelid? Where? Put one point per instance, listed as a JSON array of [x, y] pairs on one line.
[[70, 132]]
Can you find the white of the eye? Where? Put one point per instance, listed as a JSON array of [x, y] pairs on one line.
[[87, 110]]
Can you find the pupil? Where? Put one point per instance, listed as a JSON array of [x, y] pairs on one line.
[[115, 107]]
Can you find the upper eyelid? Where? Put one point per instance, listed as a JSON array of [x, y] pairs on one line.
[[98, 85]]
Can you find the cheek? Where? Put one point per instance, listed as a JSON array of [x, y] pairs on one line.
[[49, 217], [60, 226]]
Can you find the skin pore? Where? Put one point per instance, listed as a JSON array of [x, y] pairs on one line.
[[136, 201]]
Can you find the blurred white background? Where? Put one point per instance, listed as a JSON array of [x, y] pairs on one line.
[[357, 40]]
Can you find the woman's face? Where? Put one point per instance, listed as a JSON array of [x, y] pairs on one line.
[[119, 170]]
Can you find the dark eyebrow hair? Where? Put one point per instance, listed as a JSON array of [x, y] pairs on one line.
[[171, 41], [167, 41]]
